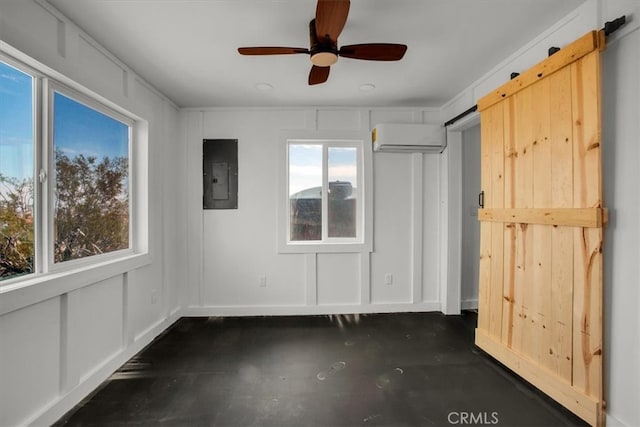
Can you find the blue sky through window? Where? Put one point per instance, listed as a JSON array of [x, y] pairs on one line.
[[305, 166], [16, 123], [343, 165], [78, 129]]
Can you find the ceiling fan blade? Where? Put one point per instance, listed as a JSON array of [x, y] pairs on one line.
[[331, 17], [318, 75], [374, 51], [271, 50]]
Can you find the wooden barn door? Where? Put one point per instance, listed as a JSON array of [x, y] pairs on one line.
[[540, 296]]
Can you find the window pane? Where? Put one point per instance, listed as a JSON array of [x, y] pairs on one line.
[[17, 253], [92, 181], [305, 191], [343, 173]]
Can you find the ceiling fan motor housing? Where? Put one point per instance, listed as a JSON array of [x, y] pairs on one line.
[[324, 53]]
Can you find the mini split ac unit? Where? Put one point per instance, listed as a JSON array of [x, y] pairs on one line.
[[407, 137]]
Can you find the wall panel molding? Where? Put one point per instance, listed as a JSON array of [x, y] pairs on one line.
[[417, 235]]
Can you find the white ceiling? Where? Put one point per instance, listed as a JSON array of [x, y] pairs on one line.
[[187, 48]]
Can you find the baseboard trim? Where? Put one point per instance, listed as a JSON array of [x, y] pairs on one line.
[[301, 310], [612, 421], [469, 304]]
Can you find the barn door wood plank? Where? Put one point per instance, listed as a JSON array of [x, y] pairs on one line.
[[561, 347], [497, 230], [541, 234], [524, 340], [510, 153], [587, 309], [488, 129]]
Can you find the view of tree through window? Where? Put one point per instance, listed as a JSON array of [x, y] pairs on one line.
[[307, 179], [17, 251], [91, 211]]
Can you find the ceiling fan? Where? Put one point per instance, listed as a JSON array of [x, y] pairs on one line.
[[324, 29]]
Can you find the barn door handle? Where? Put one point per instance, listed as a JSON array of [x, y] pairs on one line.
[[481, 199]]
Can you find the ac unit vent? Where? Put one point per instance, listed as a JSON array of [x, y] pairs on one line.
[[408, 137]]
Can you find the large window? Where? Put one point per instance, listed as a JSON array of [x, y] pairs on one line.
[[324, 192], [17, 229], [91, 197], [65, 176]]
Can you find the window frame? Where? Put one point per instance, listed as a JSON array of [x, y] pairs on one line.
[[36, 99], [364, 207], [51, 88], [48, 278]]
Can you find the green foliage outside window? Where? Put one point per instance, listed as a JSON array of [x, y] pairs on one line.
[[91, 213], [16, 227], [92, 206]]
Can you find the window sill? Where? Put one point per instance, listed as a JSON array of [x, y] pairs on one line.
[[330, 248], [22, 293]]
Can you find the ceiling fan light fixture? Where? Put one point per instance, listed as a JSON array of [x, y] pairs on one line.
[[324, 59]]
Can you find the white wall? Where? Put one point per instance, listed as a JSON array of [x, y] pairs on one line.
[[54, 350], [621, 156], [239, 246], [61, 338], [470, 225]]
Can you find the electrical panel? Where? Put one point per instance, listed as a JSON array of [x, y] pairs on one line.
[[220, 173]]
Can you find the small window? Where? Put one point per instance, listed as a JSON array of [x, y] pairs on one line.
[[324, 192], [91, 206], [17, 153]]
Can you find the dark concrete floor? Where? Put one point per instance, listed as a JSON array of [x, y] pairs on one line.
[[411, 369]]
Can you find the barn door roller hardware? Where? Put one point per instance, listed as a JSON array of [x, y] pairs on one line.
[[613, 26], [609, 28]]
